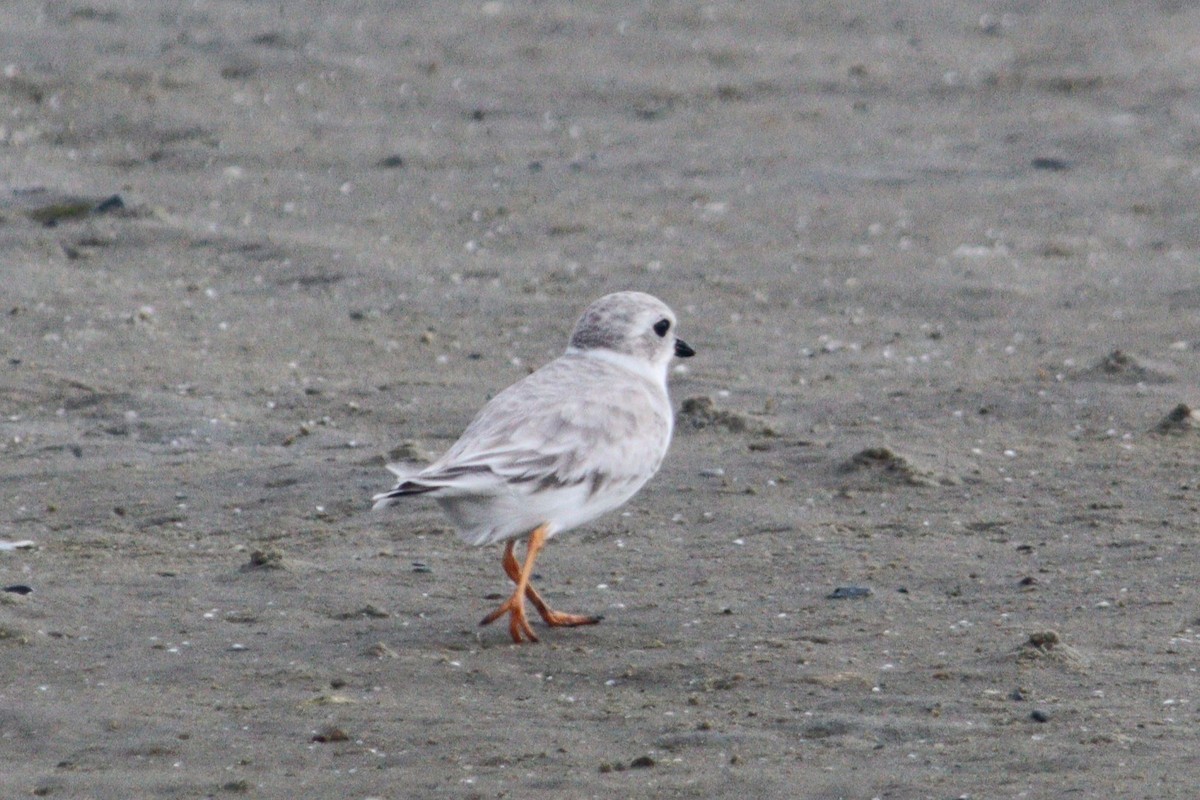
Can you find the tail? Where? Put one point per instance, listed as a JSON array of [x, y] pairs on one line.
[[407, 486], [402, 489]]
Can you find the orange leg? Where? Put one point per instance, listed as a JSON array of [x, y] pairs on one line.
[[555, 619], [514, 606]]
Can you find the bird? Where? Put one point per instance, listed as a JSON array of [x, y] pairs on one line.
[[565, 444]]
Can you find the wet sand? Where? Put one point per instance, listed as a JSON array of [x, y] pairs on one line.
[[919, 534]]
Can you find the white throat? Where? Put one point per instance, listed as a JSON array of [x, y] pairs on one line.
[[655, 373]]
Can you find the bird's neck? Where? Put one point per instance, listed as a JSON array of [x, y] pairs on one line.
[[655, 373]]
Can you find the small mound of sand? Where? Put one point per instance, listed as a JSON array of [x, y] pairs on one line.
[[13, 635], [408, 452], [1182, 419], [1048, 647], [264, 560], [701, 412], [882, 464], [1122, 367]]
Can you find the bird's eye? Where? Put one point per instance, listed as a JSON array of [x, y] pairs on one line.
[[662, 326]]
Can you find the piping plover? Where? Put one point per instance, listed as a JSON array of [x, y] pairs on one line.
[[560, 447]]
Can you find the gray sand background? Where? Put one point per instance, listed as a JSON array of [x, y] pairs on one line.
[[940, 260]]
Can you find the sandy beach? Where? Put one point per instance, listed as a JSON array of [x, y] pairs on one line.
[[928, 527]]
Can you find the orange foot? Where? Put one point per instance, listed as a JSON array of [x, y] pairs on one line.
[[555, 619], [518, 623], [514, 606]]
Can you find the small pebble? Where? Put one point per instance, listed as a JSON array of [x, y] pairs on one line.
[[1050, 164], [1038, 715], [849, 593], [111, 203], [330, 733], [641, 762], [18, 588]]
